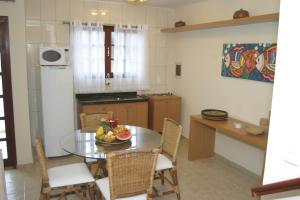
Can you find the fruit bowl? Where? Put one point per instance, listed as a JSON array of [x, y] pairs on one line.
[[112, 135]]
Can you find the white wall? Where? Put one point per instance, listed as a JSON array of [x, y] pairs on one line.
[[201, 84], [44, 27], [15, 12], [283, 152]]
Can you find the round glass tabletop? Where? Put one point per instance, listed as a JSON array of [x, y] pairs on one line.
[[84, 143]]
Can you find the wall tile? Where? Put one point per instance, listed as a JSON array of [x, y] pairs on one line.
[[152, 36], [33, 9], [62, 10], [161, 57], [39, 100], [34, 78], [152, 72], [48, 32], [35, 123], [88, 7], [116, 13], [134, 14], [102, 6], [170, 18], [151, 16], [160, 38], [62, 33], [170, 40], [161, 19], [160, 75], [33, 100], [33, 55], [76, 9], [33, 31], [152, 57], [48, 9]]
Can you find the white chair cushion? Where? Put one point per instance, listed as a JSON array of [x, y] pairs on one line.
[[90, 160], [103, 185], [71, 174], [163, 163]]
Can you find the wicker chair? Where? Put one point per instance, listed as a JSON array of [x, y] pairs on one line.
[[166, 160], [65, 179], [89, 123], [130, 175]]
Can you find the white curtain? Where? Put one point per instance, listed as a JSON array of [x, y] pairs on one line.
[[130, 58], [87, 57]]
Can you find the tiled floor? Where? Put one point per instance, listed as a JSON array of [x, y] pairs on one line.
[[206, 179]]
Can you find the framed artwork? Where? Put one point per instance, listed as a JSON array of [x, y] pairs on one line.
[[253, 61]]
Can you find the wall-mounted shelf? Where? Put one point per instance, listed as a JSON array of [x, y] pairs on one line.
[[231, 22]]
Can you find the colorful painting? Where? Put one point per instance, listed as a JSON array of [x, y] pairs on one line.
[[255, 61]]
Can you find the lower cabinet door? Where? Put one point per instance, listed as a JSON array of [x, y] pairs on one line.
[[120, 112], [137, 114]]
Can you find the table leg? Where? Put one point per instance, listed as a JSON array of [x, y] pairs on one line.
[[101, 171], [201, 141]]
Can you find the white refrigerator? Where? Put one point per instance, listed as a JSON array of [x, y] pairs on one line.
[[57, 107]]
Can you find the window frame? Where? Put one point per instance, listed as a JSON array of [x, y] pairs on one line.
[[108, 50]]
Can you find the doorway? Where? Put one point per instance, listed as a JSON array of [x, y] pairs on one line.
[[7, 131]]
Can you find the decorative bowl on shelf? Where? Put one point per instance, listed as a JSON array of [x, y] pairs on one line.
[[240, 14], [253, 130], [179, 23], [213, 114]]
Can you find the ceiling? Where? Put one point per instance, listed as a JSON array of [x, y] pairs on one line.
[[163, 3]]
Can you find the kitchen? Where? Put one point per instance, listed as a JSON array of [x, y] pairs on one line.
[[45, 27]]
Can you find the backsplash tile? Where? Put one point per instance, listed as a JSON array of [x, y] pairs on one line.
[[62, 10], [48, 9], [62, 33], [76, 10], [44, 26], [33, 31], [48, 32], [33, 9], [32, 55]]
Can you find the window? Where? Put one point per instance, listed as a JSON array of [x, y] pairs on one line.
[[118, 52]]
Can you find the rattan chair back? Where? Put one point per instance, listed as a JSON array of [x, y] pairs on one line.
[[171, 137], [41, 156], [131, 173], [91, 121]]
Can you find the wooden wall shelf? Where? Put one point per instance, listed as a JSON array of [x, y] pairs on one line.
[[224, 23]]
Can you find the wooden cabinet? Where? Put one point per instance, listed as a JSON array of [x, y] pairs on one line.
[[161, 107], [135, 113]]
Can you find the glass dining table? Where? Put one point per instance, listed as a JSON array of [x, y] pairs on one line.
[[84, 144]]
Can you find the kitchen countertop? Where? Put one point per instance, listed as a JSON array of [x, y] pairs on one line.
[[111, 98]]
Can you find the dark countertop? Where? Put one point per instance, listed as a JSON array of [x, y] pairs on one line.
[[111, 98]]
